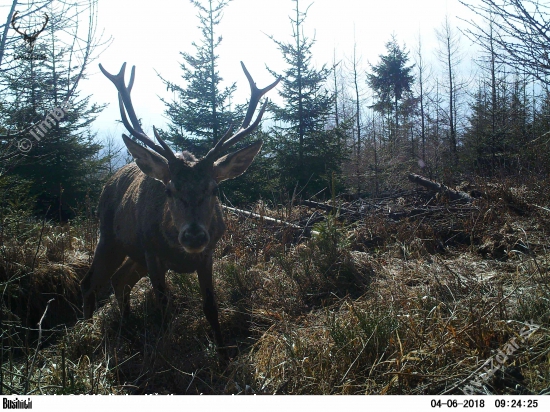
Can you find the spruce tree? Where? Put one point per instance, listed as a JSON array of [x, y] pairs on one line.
[[201, 113], [391, 79], [305, 150], [62, 166]]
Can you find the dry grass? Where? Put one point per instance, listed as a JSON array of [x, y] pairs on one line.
[[406, 306]]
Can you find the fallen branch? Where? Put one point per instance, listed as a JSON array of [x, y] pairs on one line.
[[37, 347], [440, 188], [542, 207], [268, 219], [322, 206], [330, 208], [416, 212], [409, 213]]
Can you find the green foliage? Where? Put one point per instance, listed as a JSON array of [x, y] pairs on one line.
[[258, 182], [503, 129], [63, 167], [201, 113], [332, 240], [323, 154], [391, 79], [484, 137], [15, 211], [305, 151], [333, 258], [373, 327]]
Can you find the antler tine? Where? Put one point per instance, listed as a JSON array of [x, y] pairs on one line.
[[142, 137], [255, 96], [13, 18], [217, 148], [126, 106], [169, 154], [44, 25], [246, 128], [132, 78], [242, 133], [124, 92]]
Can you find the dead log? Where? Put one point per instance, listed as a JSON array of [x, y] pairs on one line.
[[409, 213], [328, 208], [268, 219], [322, 206], [439, 188]]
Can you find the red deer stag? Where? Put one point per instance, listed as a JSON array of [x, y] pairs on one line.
[[161, 212]]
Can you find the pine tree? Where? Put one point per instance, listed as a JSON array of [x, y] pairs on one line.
[[201, 112]]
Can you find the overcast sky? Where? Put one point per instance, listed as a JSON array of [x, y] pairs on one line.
[[151, 34]]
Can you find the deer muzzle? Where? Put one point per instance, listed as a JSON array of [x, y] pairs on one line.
[[194, 238]]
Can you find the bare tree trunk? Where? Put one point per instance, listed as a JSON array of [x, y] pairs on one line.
[[357, 117], [420, 66], [6, 28], [396, 108], [336, 114], [301, 129], [212, 58], [412, 141], [376, 178], [437, 120], [451, 106], [493, 100], [448, 55]]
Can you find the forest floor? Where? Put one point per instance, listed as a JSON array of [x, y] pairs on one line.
[[409, 293]]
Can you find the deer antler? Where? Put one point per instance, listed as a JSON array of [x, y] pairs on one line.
[[125, 105], [13, 24], [32, 37], [35, 35], [246, 128]]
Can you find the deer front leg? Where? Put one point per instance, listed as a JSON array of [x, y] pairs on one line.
[[157, 274], [124, 280], [107, 258], [210, 308]]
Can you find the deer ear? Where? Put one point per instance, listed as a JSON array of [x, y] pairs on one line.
[[235, 164], [150, 163]]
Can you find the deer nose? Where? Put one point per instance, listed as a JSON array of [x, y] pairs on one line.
[[194, 238]]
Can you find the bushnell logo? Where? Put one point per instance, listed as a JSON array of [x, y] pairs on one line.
[[29, 36]]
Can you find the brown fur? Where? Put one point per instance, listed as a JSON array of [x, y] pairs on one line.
[[137, 235], [162, 212]]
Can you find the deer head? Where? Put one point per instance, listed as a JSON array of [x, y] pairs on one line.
[[190, 184]]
